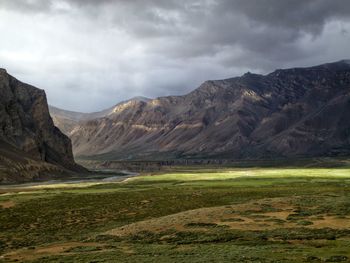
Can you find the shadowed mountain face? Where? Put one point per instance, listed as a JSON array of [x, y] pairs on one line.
[[299, 112], [30, 145]]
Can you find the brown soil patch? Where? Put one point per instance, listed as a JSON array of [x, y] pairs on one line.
[[255, 215], [229, 215], [38, 252], [7, 204], [331, 222], [279, 215]]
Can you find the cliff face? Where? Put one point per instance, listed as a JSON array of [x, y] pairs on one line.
[[26, 127], [300, 112]]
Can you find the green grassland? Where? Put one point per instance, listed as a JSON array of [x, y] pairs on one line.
[[183, 214]]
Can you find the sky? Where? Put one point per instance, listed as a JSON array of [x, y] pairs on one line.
[[90, 54]]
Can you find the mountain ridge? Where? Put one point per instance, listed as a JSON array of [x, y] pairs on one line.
[[285, 113], [67, 120], [79, 116]]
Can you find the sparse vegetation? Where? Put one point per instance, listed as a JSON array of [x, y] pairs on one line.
[[227, 215]]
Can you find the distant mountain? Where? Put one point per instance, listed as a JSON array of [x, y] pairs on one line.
[[68, 120], [298, 112], [31, 147]]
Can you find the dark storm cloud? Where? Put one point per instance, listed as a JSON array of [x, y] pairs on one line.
[[26, 5], [111, 50], [306, 15]]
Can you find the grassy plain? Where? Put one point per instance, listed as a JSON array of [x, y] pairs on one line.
[[184, 214]]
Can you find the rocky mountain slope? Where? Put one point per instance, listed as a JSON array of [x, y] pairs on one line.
[[299, 112], [68, 120], [31, 147]]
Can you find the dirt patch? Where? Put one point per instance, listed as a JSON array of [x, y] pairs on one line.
[[7, 204], [280, 215], [233, 216], [331, 222], [265, 214], [51, 250]]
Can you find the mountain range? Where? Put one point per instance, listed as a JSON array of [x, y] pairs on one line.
[[298, 112]]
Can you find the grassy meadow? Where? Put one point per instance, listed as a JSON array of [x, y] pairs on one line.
[[183, 214]]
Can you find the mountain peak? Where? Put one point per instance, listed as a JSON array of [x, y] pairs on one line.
[[332, 66], [347, 61], [337, 65], [140, 98]]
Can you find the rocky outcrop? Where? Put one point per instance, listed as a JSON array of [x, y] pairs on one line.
[[27, 132], [299, 112]]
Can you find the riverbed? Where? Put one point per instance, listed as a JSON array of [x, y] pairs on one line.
[[95, 177]]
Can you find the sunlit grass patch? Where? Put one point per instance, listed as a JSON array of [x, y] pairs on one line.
[[265, 173]]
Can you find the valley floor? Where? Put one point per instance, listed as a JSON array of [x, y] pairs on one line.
[[184, 214]]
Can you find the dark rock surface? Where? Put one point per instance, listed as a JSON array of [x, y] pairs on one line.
[[28, 136]]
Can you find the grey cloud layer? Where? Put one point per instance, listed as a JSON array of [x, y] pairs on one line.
[[112, 50]]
